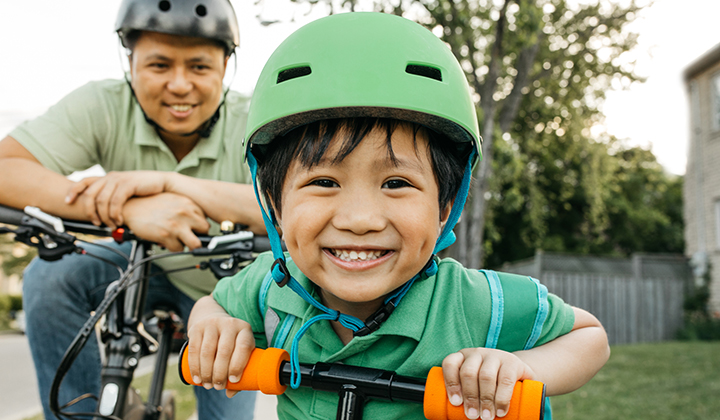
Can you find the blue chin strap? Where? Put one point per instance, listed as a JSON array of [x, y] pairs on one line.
[[282, 277]]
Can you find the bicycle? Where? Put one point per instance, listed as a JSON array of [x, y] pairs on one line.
[[124, 338], [268, 370]]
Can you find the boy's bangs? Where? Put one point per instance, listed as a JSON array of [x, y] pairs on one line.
[[316, 138]]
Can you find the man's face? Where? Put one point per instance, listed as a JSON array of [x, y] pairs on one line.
[[364, 226], [177, 79]]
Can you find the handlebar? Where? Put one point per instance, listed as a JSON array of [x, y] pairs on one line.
[[34, 218], [268, 371]]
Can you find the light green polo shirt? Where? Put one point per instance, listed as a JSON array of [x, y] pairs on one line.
[[102, 123], [439, 316]]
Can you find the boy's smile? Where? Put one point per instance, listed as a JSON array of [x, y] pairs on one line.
[[362, 227]]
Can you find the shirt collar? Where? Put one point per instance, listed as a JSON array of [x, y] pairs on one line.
[[408, 319]]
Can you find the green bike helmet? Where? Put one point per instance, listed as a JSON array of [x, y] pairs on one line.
[[362, 65], [212, 19]]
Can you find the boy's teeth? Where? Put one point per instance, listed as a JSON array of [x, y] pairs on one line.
[[181, 108], [346, 255]]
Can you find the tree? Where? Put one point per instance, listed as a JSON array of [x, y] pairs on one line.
[[539, 70]]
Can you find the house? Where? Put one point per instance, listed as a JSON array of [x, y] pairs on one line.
[[701, 193]]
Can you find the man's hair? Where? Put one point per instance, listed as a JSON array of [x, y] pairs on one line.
[[310, 142]]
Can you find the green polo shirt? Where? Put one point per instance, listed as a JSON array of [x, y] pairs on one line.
[[102, 123], [439, 316]]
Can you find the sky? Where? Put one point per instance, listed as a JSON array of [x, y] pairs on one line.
[[51, 47]]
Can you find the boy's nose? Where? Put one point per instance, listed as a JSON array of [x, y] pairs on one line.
[[360, 214]]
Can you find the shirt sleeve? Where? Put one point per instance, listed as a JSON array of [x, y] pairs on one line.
[[239, 295], [65, 138], [560, 320]]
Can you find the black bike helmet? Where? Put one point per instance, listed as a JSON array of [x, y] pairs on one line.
[[212, 19]]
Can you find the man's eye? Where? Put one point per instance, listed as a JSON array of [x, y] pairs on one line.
[[396, 183], [325, 183], [159, 65]]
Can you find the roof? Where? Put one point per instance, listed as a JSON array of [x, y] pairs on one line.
[[704, 62]]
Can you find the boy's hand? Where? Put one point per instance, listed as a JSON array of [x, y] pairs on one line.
[[219, 346], [483, 379]]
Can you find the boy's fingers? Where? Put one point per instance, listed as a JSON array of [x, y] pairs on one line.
[[244, 345], [207, 357], [505, 385], [487, 378], [225, 350], [470, 383], [195, 338], [451, 373], [230, 393]]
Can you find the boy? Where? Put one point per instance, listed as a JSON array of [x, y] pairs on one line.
[[362, 134]]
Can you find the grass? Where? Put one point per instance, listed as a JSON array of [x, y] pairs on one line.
[[650, 381]]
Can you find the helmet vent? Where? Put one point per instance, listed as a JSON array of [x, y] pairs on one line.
[[164, 5], [200, 10], [424, 71], [293, 73]]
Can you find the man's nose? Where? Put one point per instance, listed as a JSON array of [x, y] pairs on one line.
[[179, 83]]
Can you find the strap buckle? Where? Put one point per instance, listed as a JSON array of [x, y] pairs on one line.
[[374, 321], [283, 269]]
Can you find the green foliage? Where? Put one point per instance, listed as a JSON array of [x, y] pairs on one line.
[[700, 324], [540, 70]]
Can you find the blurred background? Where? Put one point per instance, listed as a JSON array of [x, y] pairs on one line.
[[600, 176]]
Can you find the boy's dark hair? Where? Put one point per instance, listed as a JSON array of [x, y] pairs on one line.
[[310, 142]]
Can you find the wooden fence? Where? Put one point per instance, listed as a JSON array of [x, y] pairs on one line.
[[631, 309]]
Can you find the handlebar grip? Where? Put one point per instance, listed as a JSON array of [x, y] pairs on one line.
[[262, 372], [527, 401], [11, 216]]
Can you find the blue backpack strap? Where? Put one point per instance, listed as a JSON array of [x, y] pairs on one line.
[[276, 331], [540, 316], [498, 308]]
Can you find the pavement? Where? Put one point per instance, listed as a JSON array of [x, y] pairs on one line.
[[18, 392]]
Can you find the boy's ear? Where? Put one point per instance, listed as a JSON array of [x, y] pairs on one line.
[[444, 215]]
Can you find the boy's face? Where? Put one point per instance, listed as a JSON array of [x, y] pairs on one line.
[[362, 227]]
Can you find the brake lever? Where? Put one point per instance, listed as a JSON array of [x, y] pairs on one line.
[[51, 246]]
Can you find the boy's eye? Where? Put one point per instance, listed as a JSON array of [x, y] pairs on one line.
[[396, 183], [325, 183]]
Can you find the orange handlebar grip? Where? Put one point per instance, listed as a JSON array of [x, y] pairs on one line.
[[262, 372], [526, 402]]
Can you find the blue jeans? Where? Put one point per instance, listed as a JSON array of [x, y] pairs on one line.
[[58, 298]]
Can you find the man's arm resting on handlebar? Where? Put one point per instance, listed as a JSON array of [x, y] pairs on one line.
[[25, 182]]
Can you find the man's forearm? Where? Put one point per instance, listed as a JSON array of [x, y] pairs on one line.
[[221, 200], [27, 183]]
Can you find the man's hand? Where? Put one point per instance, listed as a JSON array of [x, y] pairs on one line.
[[103, 197], [483, 379], [219, 345], [168, 219]]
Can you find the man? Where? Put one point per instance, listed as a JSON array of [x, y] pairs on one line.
[[170, 137]]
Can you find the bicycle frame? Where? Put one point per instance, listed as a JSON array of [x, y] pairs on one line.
[[123, 334]]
